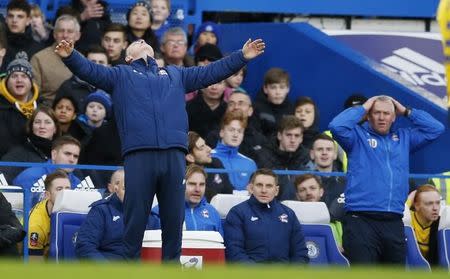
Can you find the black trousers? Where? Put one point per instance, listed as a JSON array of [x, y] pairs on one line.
[[371, 238], [150, 172]]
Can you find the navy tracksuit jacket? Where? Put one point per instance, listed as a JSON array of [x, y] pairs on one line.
[[149, 107]]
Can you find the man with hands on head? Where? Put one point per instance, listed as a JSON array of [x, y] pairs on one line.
[[378, 171], [152, 123]]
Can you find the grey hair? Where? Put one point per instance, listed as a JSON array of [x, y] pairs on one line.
[[386, 99], [68, 18], [174, 31]]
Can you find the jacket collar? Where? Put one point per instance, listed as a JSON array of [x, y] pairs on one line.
[[254, 202], [115, 202], [201, 203], [145, 65], [226, 149]]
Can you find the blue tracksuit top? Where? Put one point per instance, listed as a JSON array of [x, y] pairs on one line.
[[203, 217], [257, 232], [32, 179], [378, 168], [242, 166], [149, 103], [101, 235]]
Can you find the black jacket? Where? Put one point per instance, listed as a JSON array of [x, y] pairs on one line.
[[12, 126], [34, 150], [77, 89], [11, 231], [270, 156], [269, 115], [201, 118], [217, 183]]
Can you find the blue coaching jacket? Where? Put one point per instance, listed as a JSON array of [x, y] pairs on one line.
[[378, 169], [231, 159], [101, 235], [149, 103], [203, 217], [256, 232]]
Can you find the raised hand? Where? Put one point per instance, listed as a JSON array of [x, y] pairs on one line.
[[64, 48], [252, 49], [92, 11], [399, 108], [369, 103]]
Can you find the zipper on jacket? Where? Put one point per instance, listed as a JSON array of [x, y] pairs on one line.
[[155, 114], [388, 161], [193, 219]]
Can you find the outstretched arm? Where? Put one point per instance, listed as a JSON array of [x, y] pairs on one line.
[[97, 75], [195, 78]]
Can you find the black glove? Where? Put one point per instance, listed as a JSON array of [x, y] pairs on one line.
[[10, 235]]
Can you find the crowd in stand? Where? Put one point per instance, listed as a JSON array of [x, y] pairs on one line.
[[47, 114]]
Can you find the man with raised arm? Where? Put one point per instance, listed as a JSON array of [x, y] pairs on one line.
[[152, 123]]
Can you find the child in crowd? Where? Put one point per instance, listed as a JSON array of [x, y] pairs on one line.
[[207, 33], [98, 109], [234, 83], [66, 110], [160, 13], [272, 103], [306, 110], [40, 28]]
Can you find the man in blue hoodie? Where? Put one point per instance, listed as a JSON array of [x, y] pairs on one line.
[[199, 214], [378, 170], [262, 229], [152, 122]]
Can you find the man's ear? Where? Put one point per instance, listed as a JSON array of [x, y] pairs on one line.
[[190, 158]]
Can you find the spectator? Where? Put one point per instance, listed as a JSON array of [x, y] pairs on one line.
[[207, 33], [174, 48], [39, 221], [262, 229], [50, 72], [18, 32], [11, 231], [100, 236], [200, 153], [199, 214], [234, 83], [42, 128], [239, 166], [323, 154], [253, 139], [18, 100], [285, 152], [306, 110], [205, 55], [425, 207], [66, 109], [3, 47], [207, 109], [377, 185], [272, 104], [77, 88], [65, 150], [309, 189], [41, 29], [114, 40], [139, 24], [160, 14]]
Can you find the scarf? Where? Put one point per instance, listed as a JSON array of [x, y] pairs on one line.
[[26, 108]]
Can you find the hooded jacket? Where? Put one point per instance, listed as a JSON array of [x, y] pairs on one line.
[[203, 217], [257, 232], [150, 108], [378, 169], [241, 166], [100, 235]]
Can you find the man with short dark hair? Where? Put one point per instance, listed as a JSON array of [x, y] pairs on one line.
[[377, 184], [262, 229], [115, 42]]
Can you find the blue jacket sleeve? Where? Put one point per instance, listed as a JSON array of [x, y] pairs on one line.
[[342, 126], [156, 219], [426, 128], [98, 75], [90, 235], [298, 252], [195, 78], [235, 238]]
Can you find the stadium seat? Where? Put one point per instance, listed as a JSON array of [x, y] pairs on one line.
[[68, 214], [414, 258], [315, 220], [224, 202], [444, 238]]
